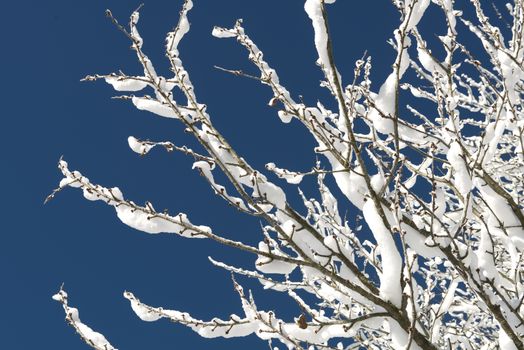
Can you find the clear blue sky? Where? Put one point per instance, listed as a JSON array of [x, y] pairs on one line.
[[47, 46]]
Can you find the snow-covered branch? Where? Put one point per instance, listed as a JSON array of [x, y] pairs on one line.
[[94, 339], [432, 257]]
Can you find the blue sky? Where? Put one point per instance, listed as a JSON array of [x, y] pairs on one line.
[[47, 112]]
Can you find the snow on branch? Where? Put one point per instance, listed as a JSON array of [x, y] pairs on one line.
[[142, 218], [315, 9], [94, 339], [264, 324], [430, 254]]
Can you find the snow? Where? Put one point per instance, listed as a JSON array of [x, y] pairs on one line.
[[137, 146], [385, 101], [135, 16], [419, 7], [314, 10], [385, 105], [269, 265], [272, 193], [416, 241], [154, 106], [126, 83], [95, 339], [143, 312], [174, 38], [377, 182], [290, 176], [330, 238], [144, 219], [493, 133], [221, 33], [160, 223], [330, 241], [399, 337], [448, 299], [461, 176], [484, 254], [352, 185], [512, 73], [234, 327], [428, 62], [285, 117], [500, 211], [505, 342], [205, 169], [390, 277], [450, 14]]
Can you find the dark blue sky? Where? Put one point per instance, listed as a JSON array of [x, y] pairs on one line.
[[47, 46]]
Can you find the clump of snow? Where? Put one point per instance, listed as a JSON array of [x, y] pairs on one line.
[[418, 8], [205, 169], [174, 38], [267, 191], [144, 219], [390, 288], [428, 61], [154, 106], [91, 337], [501, 212], [352, 184], [330, 241], [234, 327], [513, 75], [138, 146], [267, 264], [290, 176], [461, 176], [505, 341], [126, 83], [314, 10], [219, 32], [284, 116], [142, 311]]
